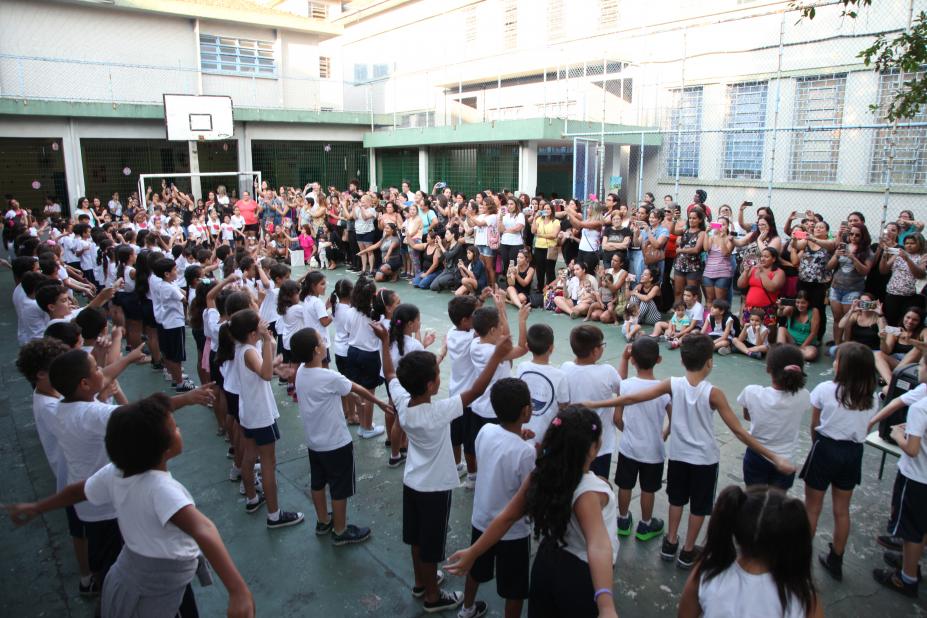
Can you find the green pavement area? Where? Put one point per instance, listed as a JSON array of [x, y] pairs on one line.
[[291, 572]]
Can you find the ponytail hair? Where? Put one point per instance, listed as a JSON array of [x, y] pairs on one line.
[[342, 290], [243, 323], [855, 376], [285, 295], [769, 527], [226, 350], [564, 451], [311, 280], [123, 253], [362, 296], [785, 365], [402, 315], [381, 300]]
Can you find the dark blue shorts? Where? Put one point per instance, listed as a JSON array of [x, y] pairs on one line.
[[833, 462], [76, 527], [263, 435], [760, 471]]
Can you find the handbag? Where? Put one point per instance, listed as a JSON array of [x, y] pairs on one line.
[[652, 256], [492, 237]]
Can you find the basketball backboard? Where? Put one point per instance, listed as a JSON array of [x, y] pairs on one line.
[[197, 117]]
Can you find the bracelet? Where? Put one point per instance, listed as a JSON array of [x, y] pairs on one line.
[[602, 591]]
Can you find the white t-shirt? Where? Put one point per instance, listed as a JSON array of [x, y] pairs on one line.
[[144, 504], [915, 468], [320, 391], [575, 542], [548, 391], [293, 320], [458, 350], [696, 313], [341, 318], [480, 353], [642, 437], [80, 430], [753, 337], [314, 312], [67, 248], [430, 464], [360, 333], [409, 344], [257, 407], [590, 240], [505, 462], [211, 327], [692, 429], [733, 593], [31, 320], [914, 395], [595, 383], [479, 236], [228, 231], [89, 257], [775, 417], [268, 309], [238, 222], [512, 238], [170, 299], [45, 413], [838, 423]]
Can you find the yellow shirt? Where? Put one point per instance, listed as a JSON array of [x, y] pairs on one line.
[[546, 229]]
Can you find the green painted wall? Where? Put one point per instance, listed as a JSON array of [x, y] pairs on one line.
[[471, 169], [395, 165], [105, 162], [294, 163]]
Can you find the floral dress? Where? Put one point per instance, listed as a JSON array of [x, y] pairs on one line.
[[902, 282], [687, 262], [813, 265]]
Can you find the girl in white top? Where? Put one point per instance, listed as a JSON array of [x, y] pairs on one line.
[[756, 561], [363, 360], [340, 302], [316, 312], [840, 413], [775, 414], [573, 572], [292, 318]]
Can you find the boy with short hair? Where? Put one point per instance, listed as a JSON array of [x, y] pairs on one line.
[[31, 320], [692, 474], [587, 380], [545, 382], [457, 347], [170, 316], [640, 451], [430, 474], [54, 300], [507, 460]]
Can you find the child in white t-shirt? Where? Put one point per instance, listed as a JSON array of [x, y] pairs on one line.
[[340, 302], [640, 450], [507, 462], [331, 451], [546, 383], [317, 314], [775, 413], [164, 533], [752, 339], [270, 281], [457, 348], [430, 473]]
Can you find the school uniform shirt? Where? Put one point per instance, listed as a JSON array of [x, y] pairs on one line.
[[315, 311], [754, 337], [642, 436], [838, 423], [228, 231], [341, 319], [458, 350], [211, 327], [692, 430], [775, 417], [915, 468], [505, 462], [409, 344], [293, 320], [229, 371], [595, 383], [549, 390], [144, 504], [154, 283], [320, 391], [734, 592], [89, 257], [31, 321], [430, 460], [45, 413], [480, 353], [914, 395], [66, 242], [257, 407], [573, 539], [80, 430], [170, 299], [360, 333], [268, 308]]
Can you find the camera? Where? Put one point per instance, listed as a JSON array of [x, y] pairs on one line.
[[868, 305]]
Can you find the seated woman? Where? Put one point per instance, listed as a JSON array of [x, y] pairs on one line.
[[430, 261], [862, 323], [897, 343], [472, 273], [520, 278], [763, 282], [799, 324], [643, 297], [576, 300], [389, 246]]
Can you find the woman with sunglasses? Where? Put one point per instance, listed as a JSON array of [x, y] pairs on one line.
[[850, 264]]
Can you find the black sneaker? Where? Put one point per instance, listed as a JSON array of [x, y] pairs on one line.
[[895, 560], [832, 563], [891, 578], [688, 557], [321, 529], [419, 591], [157, 366], [252, 508], [668, 550], [645, 532], [477, 610], [352, 534], [395, 462], [624, 525], [446, 600], [890, 542], [286, 518], [90, 590]]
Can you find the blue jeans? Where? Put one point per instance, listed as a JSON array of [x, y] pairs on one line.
[[424, 282]]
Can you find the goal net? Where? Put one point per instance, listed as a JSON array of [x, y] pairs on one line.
[[200, 185]]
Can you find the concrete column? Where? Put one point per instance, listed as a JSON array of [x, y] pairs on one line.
[[73, 163], [423, 180], [244, 158], [195, 185], [372, 168], [528, 167]]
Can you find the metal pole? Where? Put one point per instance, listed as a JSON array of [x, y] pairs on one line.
[[640, 172], [776, 109], [682, 93], [600, 181]]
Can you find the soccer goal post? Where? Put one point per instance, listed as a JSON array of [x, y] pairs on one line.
[[238, 181]]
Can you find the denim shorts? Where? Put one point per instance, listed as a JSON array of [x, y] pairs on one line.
[[486, 251], [843, 297], [717, 282]]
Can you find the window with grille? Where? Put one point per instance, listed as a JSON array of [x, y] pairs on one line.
[[360, 73], [470, 25], [907, 148], [510, 23], [220, 54], [683, 127], [743, 150], [554, 19], [318, 10], [325, 67], [816, 150], [608, 14]]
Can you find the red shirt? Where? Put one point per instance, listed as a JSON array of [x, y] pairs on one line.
[[705, 208], [248, 210]]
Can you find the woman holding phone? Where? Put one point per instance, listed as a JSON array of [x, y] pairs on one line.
[[850, 264], [719, 269], [896, 342], [906, 267]]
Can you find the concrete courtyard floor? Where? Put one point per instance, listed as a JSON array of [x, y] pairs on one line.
[[293, 573]]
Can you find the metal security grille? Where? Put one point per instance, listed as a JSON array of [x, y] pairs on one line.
[[237, 56], [743, 150], [608, 14], [112, 165], [218, 157], [818, 103], [510, 24], [471, 169], [396, 165], [31, 169], [296, 163], [555, 21], [899, 155], [684, 123]]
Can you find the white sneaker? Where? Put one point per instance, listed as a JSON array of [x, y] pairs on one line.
[[258, 486], [373, 432], [461, 469], [234, 474], [470, 482]]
